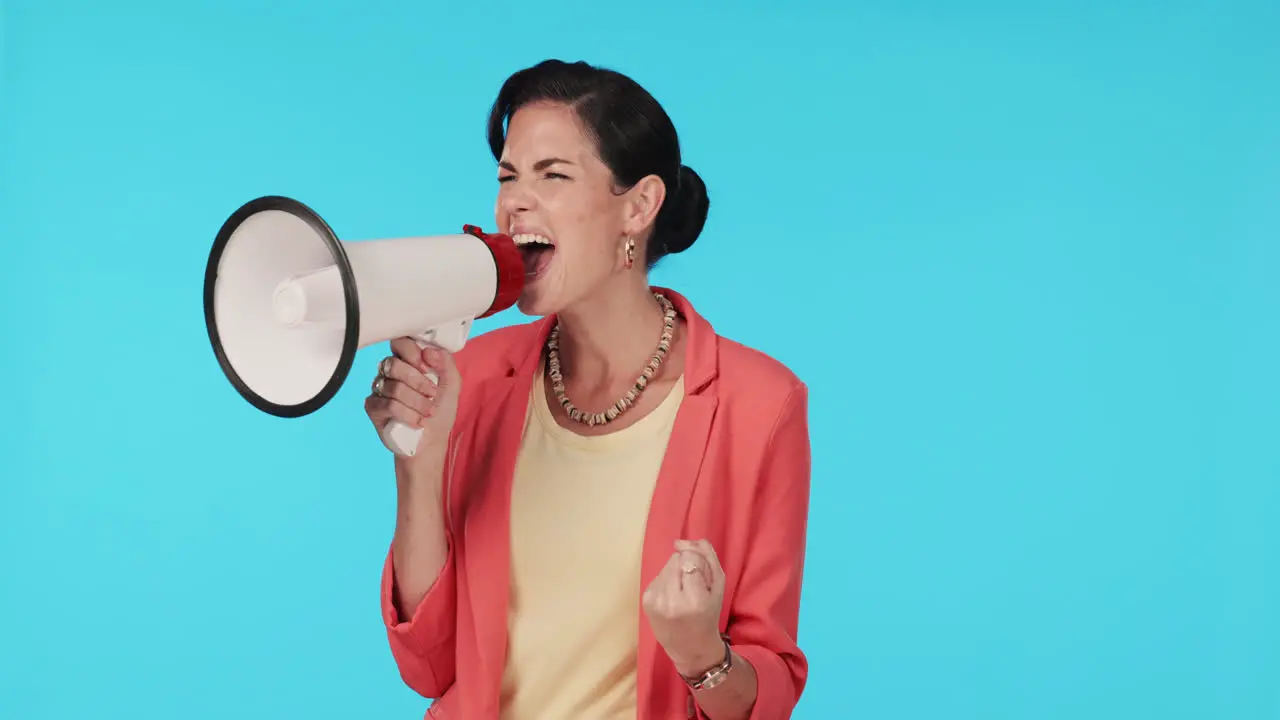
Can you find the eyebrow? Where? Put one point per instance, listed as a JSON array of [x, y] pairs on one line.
[[540, 165]]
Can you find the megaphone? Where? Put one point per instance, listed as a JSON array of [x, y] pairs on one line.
[[287, 304]]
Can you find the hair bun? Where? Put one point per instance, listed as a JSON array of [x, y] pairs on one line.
[[688, 211]]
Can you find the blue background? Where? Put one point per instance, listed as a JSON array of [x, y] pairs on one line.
[[1026, 255]]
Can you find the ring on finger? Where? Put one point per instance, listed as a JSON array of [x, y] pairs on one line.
[[689, 568], [384, 367], [378, 384]]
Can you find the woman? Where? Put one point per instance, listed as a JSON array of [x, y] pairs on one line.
[[607, 515]]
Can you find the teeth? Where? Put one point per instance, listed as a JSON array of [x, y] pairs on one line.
[[531, 239]]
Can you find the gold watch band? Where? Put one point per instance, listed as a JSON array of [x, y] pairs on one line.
[[715, 675]]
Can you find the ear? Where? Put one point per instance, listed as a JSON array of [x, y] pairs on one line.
[[641, 205]]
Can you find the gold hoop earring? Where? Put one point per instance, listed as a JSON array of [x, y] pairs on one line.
[[631, 252]]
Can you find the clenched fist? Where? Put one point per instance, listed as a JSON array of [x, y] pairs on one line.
[[683, 606]]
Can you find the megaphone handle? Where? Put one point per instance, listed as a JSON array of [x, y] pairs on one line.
[[402, 439]]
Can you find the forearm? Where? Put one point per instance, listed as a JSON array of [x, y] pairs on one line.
[[419, 547]]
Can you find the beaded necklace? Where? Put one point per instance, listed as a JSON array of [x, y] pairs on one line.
[[628, 400]]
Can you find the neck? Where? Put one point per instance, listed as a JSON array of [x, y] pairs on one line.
[[610, 336]]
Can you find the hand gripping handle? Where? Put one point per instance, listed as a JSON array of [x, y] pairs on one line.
[[403, 439]]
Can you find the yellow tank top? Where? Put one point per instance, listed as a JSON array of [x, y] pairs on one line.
[[578, 511]]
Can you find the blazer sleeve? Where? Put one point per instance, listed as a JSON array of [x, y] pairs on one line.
[[764, 619], [423, 646]]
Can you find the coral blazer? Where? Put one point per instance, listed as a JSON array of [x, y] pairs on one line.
[[736, 472]]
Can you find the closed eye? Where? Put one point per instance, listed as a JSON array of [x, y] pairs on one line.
[[506, 178], [557, 176]]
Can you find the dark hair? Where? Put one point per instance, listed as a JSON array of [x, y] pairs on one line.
[[633, 135]]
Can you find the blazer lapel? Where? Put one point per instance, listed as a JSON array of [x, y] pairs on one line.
[[677, 479], [495, 447], [497, 440]]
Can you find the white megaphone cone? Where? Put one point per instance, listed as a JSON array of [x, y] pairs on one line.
[[287, 304]]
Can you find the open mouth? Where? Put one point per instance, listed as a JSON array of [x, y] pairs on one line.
[[536, 251]]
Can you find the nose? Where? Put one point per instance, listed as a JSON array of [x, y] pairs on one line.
[[513, 200]]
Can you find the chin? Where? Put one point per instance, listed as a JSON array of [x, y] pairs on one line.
[[536, 303], [530, 307], [548, 294]]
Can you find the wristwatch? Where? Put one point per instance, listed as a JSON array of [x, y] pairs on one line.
[[715, 675]]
